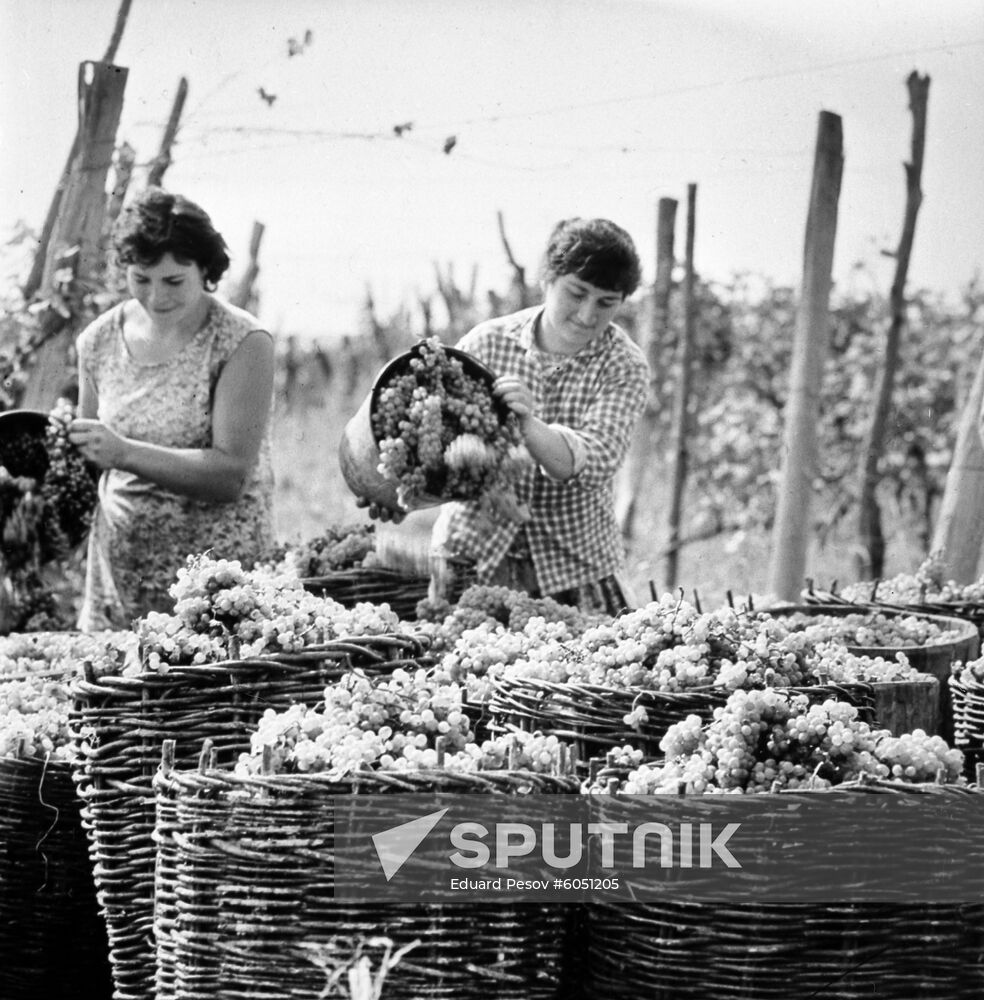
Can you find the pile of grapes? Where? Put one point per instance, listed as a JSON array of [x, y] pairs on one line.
[[223, 611], [440, 433], [927, 585], [871, 629], [971, 673], [667, 645], [768, 740], [35, 675], [337, 548], [45, 514], [406, 721]]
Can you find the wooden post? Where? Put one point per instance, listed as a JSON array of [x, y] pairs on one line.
[[80, 219], [791, 533], [36, 275], [681, 409], [243, 294], [126, 157], [959, 532], [519, 272], [162, 161], [870, 523], [633, 477]]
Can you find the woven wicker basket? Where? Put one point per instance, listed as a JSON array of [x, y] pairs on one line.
[[246, 874], [968, 720], [52, 937], [123, 722], [763, 950], [592, 717], [377, 586]]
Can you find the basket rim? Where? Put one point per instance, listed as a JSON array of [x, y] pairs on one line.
[[967, 629]]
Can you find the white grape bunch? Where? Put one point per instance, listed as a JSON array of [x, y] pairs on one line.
[[222, 610], [408, 721], [872, 629], [439, 431], [769, 740], [928, 583]]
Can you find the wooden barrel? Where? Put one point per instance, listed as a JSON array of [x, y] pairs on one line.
[[903, 706]]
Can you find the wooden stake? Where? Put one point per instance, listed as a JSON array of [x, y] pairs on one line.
[[870, 524], [791, 533], [243, 294], [681, 408], [80, 218], [36, 276], [162, 161], [631, 482], [519, 272]]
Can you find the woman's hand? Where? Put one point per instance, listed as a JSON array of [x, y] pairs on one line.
[[516, 394], [100, 445]]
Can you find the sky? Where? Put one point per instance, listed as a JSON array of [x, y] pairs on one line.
[[557, 108]]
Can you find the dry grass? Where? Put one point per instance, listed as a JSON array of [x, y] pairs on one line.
[[312, 495]]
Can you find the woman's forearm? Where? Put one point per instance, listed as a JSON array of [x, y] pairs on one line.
[[549, 448], [206, 474]]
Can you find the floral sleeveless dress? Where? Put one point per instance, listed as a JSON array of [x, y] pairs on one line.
[[142, 533]]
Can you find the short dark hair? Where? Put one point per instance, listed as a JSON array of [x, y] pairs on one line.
[[595, 250], [157, 222]]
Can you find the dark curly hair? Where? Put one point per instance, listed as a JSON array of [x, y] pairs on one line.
[[157, 222], [595, 250]]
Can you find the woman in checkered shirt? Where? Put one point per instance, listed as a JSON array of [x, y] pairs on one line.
[[578, 384]]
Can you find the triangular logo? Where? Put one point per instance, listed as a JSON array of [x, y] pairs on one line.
[[395, 845]]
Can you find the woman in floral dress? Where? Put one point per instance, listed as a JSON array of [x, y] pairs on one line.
[[175, 393]]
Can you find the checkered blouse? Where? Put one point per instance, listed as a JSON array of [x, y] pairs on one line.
[[594, 398]]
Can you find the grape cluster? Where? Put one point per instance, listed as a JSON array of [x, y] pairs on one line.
[[970, 673], [871, 629], [406, 721], [768, 740], [223, 611], [69, 489], [927, 584], [338, 547], [669, 645], [43, 517], [500, 606], [835, 664], [35, 696], [439, 433]]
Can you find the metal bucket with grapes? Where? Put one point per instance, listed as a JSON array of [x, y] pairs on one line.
[[430, 431]]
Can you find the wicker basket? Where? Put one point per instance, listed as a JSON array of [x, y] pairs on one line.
[[246, 870], [52, 938], [762, 950], [968, 720], [377, 586], [934, 659], [123, 722], [592, 716]]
